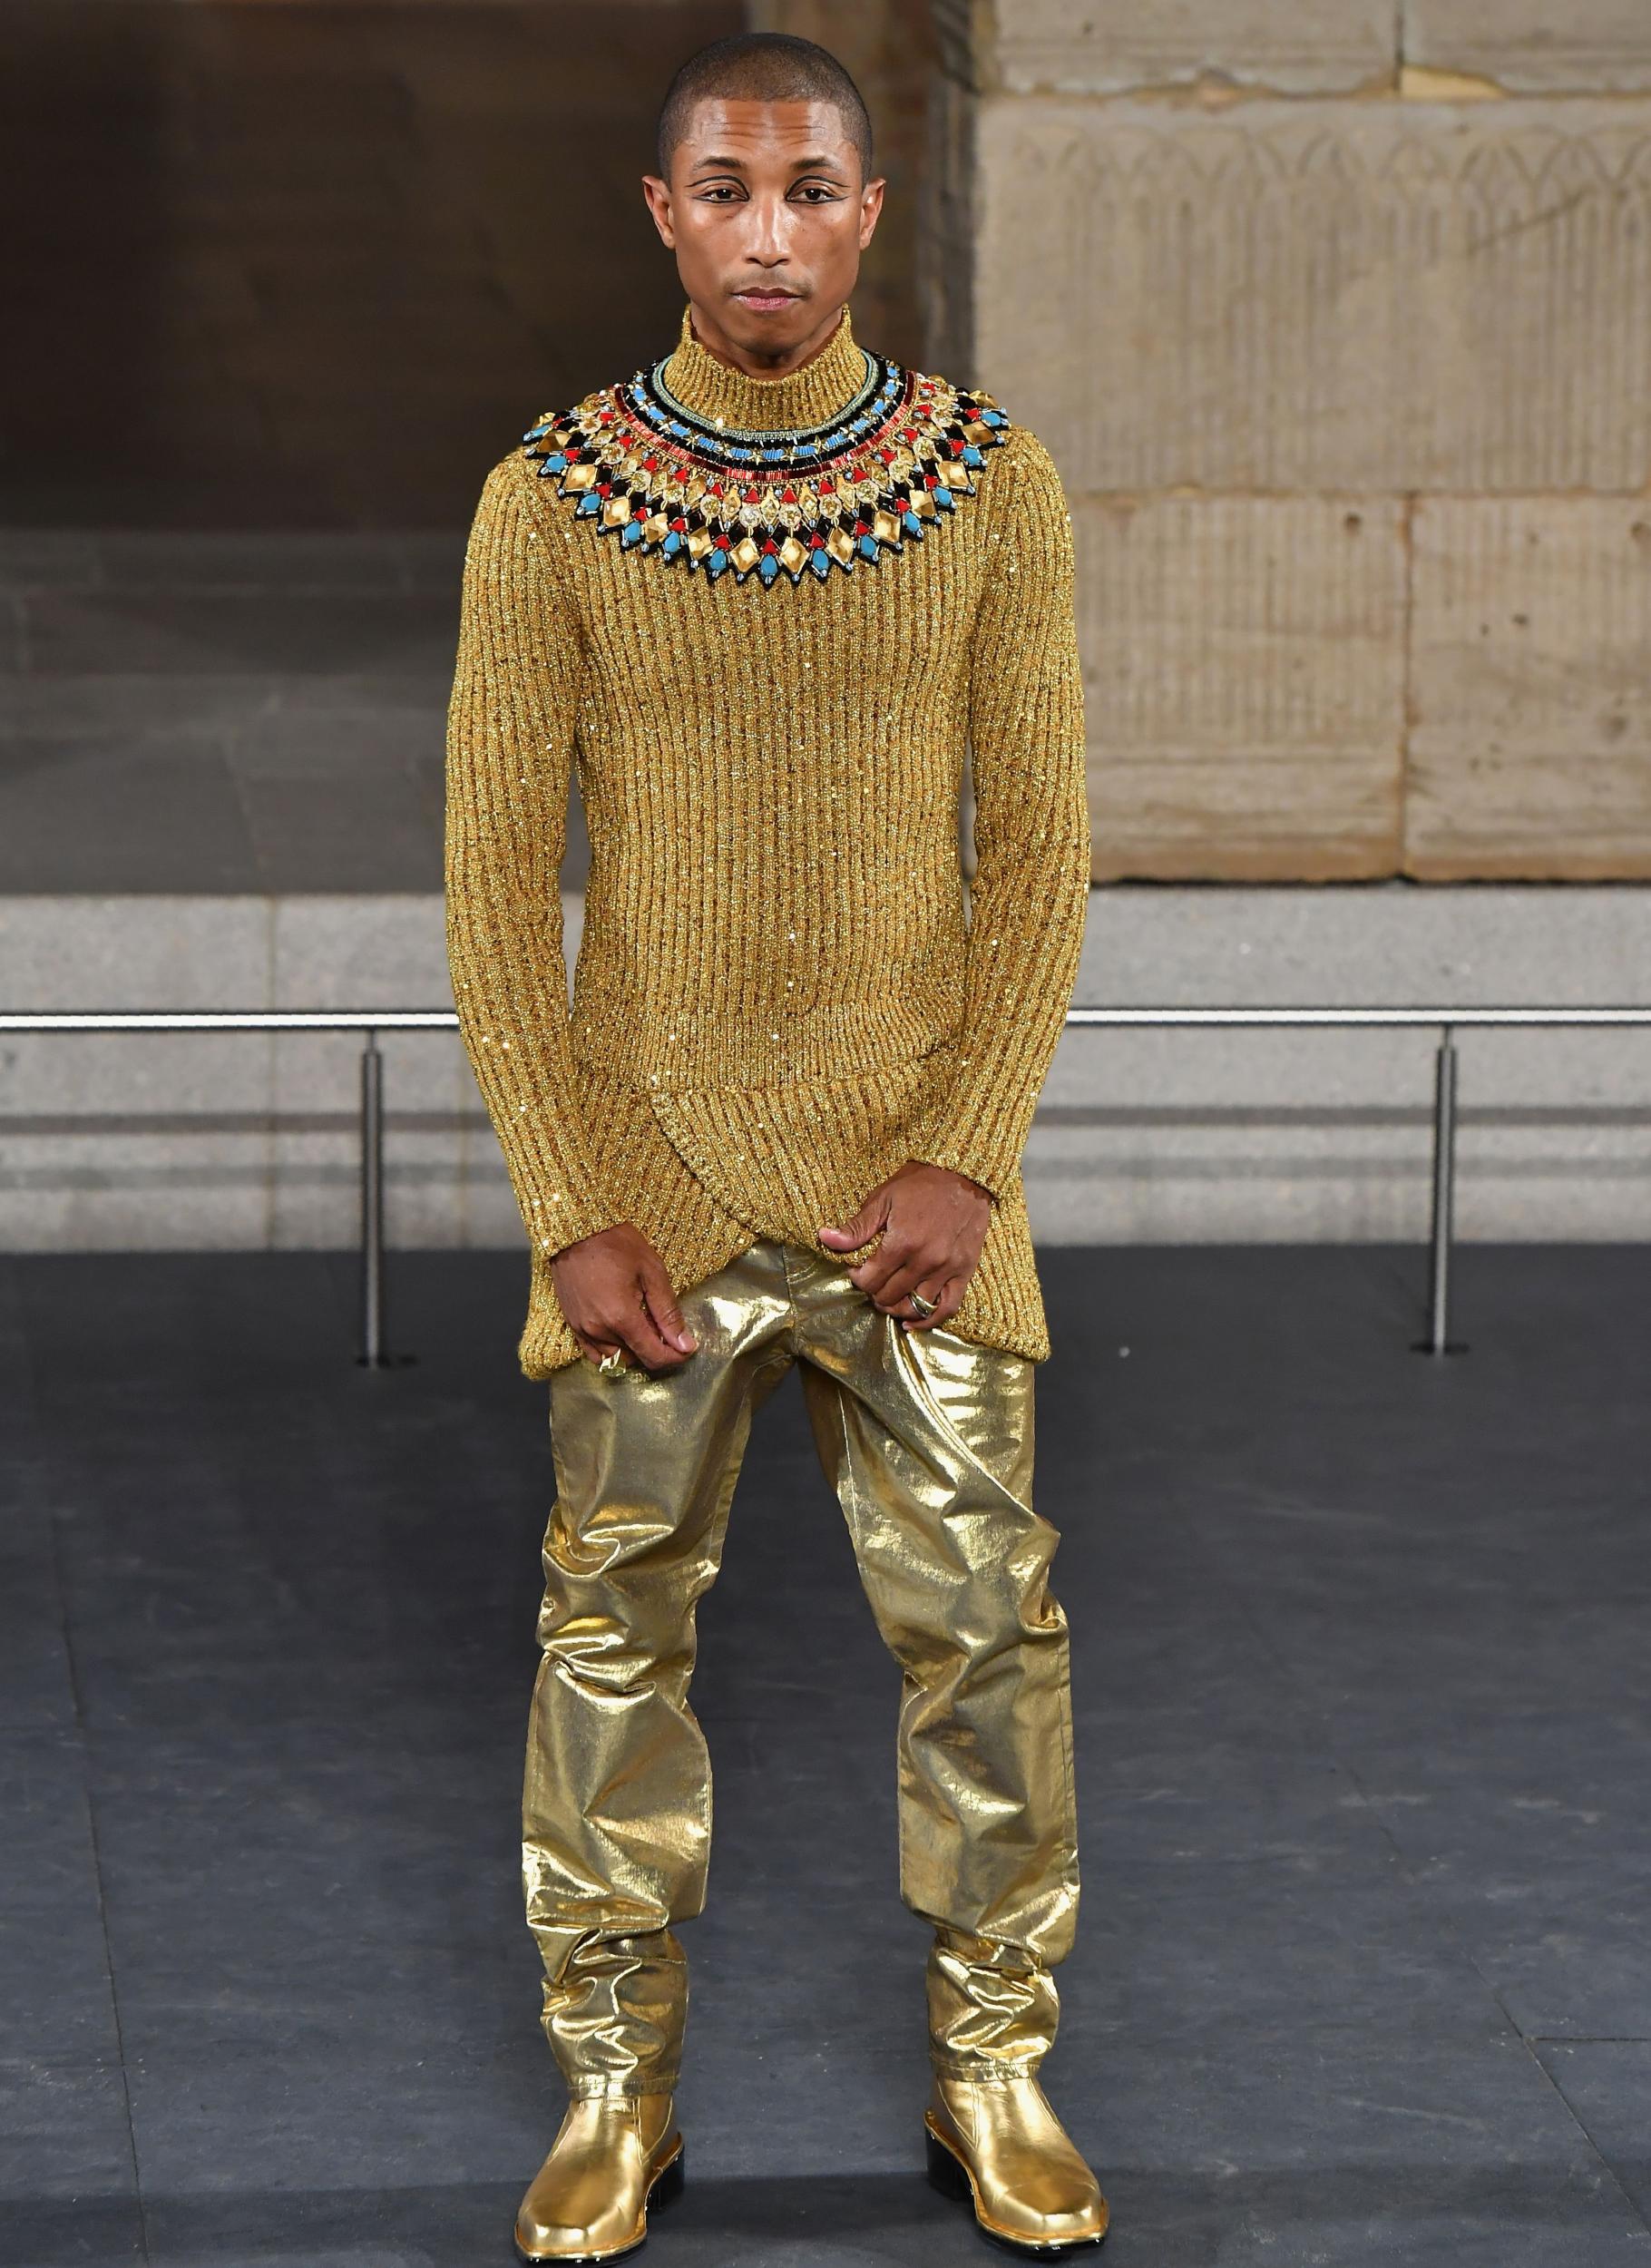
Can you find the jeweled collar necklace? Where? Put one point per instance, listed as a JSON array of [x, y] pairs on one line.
[[665, 461]]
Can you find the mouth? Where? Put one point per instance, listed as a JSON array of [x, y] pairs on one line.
[[766, 300]]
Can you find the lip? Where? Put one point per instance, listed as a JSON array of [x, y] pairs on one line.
[[764, 302]]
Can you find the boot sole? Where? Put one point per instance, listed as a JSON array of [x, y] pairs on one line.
[[952, 2177], [664, 2188]]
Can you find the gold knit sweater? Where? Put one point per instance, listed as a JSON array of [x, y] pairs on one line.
[[780, 994]]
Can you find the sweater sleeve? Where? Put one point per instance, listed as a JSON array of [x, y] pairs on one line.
[[1030, 893], [510, 752]]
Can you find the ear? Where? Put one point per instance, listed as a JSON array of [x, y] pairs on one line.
[[871, 206], [657, 192]]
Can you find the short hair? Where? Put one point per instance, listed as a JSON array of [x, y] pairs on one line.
[[761, 67]]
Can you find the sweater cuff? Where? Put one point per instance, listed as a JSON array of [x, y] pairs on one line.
[[555, 1221], [971, 1138]]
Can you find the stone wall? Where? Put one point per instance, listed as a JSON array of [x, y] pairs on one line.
[[1337, 318]]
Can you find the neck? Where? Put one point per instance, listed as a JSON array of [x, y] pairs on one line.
[[804, 393]]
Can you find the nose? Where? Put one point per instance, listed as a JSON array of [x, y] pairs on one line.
[[768, 243]]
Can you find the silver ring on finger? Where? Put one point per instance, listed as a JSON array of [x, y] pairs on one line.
[[923, 1307], [612, 1363]]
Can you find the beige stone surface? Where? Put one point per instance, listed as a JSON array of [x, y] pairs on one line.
[[1533, 45], [221, 1141], [1530, 734], [1197, 1134], [1321, 296], [1304, 46], [1244, 684]]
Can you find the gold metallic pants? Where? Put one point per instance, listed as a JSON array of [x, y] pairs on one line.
[[927, 1439]]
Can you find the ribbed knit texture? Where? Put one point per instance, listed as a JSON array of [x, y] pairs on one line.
[[778, 996]]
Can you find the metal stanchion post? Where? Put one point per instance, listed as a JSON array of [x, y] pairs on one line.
[[372, 1203], [1439, 1340]]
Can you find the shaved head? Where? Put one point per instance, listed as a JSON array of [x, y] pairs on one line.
[[762, 67]]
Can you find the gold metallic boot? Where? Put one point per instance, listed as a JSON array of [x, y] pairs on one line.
[[998, 2143], [613, 2157]]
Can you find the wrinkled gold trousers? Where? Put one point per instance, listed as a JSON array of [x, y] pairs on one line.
[[927, 1439]]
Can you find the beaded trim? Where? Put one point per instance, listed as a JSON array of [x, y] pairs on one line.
[[671, 483]]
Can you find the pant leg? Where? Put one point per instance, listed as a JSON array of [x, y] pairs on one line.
[[928, 1439], [616, 1811]]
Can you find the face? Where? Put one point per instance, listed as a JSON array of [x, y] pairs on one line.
[[767, 216]]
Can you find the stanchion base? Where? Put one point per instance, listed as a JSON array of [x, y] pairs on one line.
[[1450, 1347], [386, 1361]]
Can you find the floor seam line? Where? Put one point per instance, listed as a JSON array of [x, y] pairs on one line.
[[83, 1735]]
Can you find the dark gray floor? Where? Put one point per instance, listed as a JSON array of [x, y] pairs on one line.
[[1364, 1676]]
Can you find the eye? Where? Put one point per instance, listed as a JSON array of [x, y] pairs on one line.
[[818, 192]]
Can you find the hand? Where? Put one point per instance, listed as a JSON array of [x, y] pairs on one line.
[[614, 1291], [934, 1224]]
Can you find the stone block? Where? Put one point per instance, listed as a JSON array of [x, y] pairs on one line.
[[259, 560], [43, 558], [1530, 46], [120, 811], [240, 631], [1239, 1135], [1531, 735], [354, 952], [134, 1141], [432, 559], [1335, 295], [1244, 684], [369, 951], [1309, 47], [123, 707], [341, 799], [120, 952]]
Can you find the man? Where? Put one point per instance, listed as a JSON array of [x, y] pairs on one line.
[[762, 593]]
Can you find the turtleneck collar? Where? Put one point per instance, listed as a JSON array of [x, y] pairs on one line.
[[807, 395]]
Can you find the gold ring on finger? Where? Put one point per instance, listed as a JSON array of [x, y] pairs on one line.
[[923, 1307], [612, 1363]]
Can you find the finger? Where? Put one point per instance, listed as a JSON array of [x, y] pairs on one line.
[[908, 1273], [947, 1301], [859, 1228], [642, 1342], [894, 1252], [663, 1312]]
